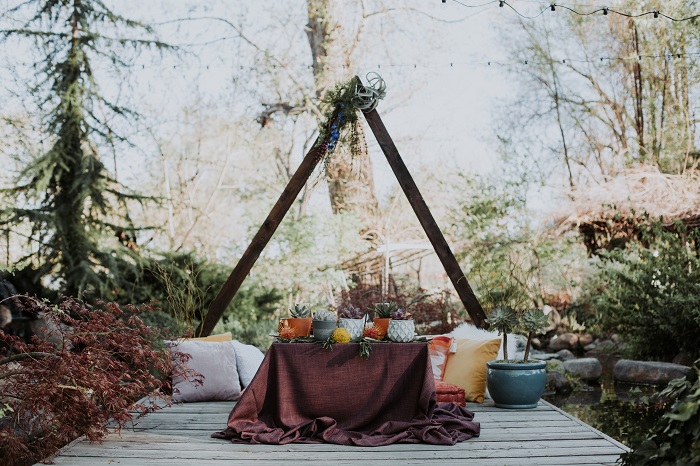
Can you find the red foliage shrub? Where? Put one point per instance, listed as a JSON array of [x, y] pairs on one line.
[[433, 314], [81, 380]]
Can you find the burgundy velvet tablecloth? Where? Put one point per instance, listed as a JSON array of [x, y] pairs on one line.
[[303, 393]]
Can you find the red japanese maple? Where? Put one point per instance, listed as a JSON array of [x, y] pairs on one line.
[[82, 380]]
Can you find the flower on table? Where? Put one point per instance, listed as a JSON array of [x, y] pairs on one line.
[[371, 331], [340, 335]]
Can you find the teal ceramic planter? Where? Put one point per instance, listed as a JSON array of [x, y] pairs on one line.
[[516, 385]]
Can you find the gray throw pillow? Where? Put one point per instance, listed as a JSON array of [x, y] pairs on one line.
[[248, 360], [216, 362]]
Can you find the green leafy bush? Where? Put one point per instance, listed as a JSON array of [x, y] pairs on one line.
[[676, 438], [651, 295], [183, 285]]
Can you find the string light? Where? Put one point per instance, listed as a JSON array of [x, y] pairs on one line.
[[604, 10], [454, 64]]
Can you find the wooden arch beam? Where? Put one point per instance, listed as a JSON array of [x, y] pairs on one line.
[[286, 199], [425, 217]]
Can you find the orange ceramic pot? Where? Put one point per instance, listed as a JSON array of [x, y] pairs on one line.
[[382, 323], [301, 327]]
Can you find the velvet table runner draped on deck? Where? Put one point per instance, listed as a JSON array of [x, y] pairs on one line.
[[305, 394]]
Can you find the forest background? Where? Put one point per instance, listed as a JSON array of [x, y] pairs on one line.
[[143, 147]]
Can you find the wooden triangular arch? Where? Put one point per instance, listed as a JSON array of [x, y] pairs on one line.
[[286, 199]]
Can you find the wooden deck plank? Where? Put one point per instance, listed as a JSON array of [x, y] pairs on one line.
[[180, 435], [579, 460]]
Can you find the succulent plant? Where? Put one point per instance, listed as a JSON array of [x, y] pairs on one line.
[[401, 314], [327, 316], [300, 311], [504, 319], [351, 312], [384, 310]]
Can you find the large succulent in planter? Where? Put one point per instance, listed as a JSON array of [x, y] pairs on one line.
[[351, 312], [382, 316], [324, 324], [516, 384], [507, 320], [325, 316], [401, 327], [384, 310], [300, 311], [300, 320], [352, 319]]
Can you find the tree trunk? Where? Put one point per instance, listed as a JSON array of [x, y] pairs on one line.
[[350, 179]]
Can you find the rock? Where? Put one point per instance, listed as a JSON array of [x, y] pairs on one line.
[[565, 341], [565, 355], [585, 340], [536, 343], [587, 369], [602, 346], [544, 356], [648, 372], [558, 382], [683, 358]]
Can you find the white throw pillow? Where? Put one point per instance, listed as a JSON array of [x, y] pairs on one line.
[[248, 360], [216, 362]]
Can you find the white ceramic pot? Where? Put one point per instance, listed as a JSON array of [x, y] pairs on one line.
[[401, 331], [354, 326]]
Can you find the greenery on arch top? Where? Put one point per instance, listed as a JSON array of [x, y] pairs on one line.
[[339, 117]]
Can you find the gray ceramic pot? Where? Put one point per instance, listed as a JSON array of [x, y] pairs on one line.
[[323, 328], [516, 385]]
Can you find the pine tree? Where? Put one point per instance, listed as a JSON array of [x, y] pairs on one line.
[[76, 208]]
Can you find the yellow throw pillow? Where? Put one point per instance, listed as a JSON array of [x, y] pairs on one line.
[[467, 367], [214, 338]]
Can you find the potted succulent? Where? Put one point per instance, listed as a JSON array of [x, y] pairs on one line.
[[324, 322], [300, 320], [516, 384], [352, 319], [382, 316], [401, 327]]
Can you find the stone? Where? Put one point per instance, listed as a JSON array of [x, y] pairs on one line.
[[587, 369], [585, 340], [565, 355], [602, 346], [543, 356], [564, 341], [536, 343], [648, 372], [558, 382]]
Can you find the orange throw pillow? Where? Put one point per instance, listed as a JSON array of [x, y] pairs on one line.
[[467, 367], [214, 338], [439, 347]]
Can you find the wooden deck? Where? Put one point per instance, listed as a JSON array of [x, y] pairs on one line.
[[180, 435]]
